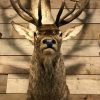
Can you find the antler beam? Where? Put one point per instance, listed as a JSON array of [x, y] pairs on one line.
[[47, 17], [30, 18], [59, 13], [63, 20]]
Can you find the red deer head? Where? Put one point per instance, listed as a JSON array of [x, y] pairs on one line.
[[47, 77]]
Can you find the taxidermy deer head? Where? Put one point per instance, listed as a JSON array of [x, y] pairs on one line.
[[47, 77]]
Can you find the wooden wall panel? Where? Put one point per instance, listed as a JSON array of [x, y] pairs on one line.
[[12, 96], [8, 31], [92, 4], [54, 4], [90, 31], [72, 97], [84, 97], [3, 83], [83, 84], [78, 84], [7, 15], [14, 64], [74, 47], [74, 65], [17, 84]]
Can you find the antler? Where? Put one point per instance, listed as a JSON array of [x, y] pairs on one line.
[[30, 18], [59, 13], [63, 20], [47, 17]]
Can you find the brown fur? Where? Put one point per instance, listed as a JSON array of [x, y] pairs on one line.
[[47, 79]]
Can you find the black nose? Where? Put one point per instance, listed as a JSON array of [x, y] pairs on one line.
[[49, 42]]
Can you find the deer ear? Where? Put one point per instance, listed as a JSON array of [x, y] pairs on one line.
[[23, 31], [72, 32]]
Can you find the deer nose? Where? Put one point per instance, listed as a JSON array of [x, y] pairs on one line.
[[49, 42]]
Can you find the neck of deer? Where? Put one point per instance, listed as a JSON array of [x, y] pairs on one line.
[[46, 11], [48, 63], [47, 78]]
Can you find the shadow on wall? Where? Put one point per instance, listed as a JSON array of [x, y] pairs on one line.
[[6, 20], [75, 68], [72, 69], [0, 35]]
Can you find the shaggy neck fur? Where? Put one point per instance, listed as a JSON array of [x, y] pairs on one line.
[[47, 79]]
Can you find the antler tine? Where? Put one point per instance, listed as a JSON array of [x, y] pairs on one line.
[[27, 11], [70, 12], [39, 14], [29, 18], [63, 22], [59, 13]]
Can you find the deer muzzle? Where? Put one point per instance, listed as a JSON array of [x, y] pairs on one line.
[[49, 42], [49, 46]]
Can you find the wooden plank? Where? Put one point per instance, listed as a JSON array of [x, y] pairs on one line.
[[54, 3], [79, 84], [7, 15], [90, 31], [72, 97], [71, 47], [84, 97], [92, 4], [3, 83], [22, 46], [14, 64], [8, 31], [74, 65], [17, 84], [84, 84], [12, 96], [82, 65]]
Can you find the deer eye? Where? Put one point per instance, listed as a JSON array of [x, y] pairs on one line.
[[44, 41], [36, 33]]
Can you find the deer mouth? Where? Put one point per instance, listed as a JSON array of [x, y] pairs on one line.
[[49, 51]]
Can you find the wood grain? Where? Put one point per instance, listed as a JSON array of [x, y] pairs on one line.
[[3, 83], [7, 15], [74, 65], [84, 84], [73, 47], [72, 97], [79, 84], [12, 96], [90, 31], [17, 84], [85, 97], [14, 64], [8, 31], [82, 65], [54, 3], [92, 3]]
